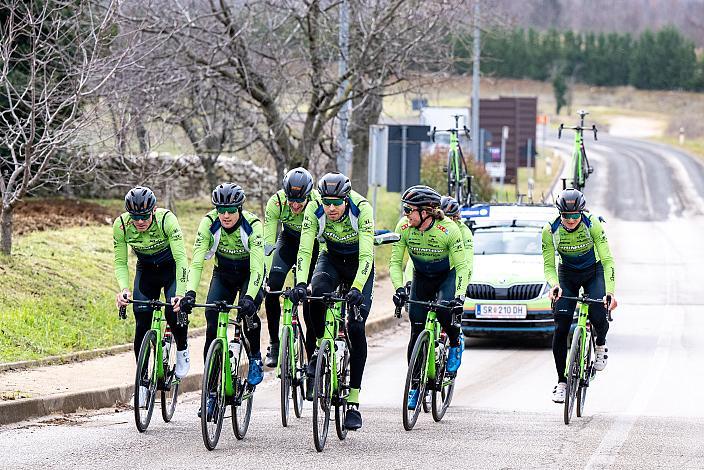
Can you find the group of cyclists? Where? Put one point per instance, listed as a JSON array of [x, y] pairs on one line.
[[326, 237]]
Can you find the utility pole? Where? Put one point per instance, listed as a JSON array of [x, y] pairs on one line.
[[344, 150], [475, 85]]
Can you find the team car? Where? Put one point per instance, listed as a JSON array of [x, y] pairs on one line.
[[508, 294]]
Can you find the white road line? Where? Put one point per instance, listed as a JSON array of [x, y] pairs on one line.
[[695, 204]]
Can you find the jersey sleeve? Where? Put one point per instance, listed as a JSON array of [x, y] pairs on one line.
[[397, 251], [458, 260], [549, 268], [272, 215], [366, 245], [309, 230], [256, 260], [173, 232], [607, 261], [468, 239], [120, 247], [204, 240]]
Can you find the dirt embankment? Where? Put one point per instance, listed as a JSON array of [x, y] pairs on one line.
[[47, 214]]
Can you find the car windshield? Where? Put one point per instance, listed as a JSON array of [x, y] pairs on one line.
[[507, 242]]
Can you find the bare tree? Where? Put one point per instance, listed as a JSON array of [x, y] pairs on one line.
[[50, 53]]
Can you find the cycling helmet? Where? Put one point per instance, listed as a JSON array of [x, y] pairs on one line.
[[297, 183], [334, 184], [140, 200], [228, 194], [421, 196], [570, 200], [449, 206]]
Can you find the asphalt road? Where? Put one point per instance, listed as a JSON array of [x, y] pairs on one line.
[[645, 410]]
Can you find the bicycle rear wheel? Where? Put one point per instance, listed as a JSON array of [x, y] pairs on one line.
[[446, 385], [573, 374], [341, 402], [452, 182], [244, 393], [285, 374], [322, 395], [213, 391], [169, 392], [584, 384], [298, 392], [416, 379], [145, 377]]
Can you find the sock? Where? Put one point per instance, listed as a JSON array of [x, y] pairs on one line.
[[353, 398]]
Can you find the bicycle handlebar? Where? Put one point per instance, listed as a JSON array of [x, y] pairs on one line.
[[330, 298], [435, 130], [577, 128], [586, 300], [181, 316]]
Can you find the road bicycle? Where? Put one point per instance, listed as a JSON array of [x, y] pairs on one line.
[[580, 370], [580, 164], [331, 385], [427, 368], [156, 366], [458, 179], [292, 361], [225, 377]]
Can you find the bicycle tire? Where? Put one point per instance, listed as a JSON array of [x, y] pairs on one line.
[[463, 196], [576, 179], [451, 182], [212, 385], [322, 396], [145, 376], [169, 393], [285, 374], [341, 404], [572, 375], [584, 385], [298, 391], [442, 398], [416, 376], [585, 164], [243, 393]]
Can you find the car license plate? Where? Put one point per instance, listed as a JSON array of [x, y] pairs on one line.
[[501, 311]]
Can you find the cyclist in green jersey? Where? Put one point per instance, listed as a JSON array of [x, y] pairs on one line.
[[287, 207], [156, 238], [451, 208], [435, 244], [344, 221], [233, 236], [585, 262]]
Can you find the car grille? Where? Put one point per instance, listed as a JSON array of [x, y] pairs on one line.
[[517, 292]]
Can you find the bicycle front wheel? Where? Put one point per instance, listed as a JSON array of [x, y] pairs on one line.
[[583, 385], [169, 393], [416, 379], [285, 374], [573, 373], [444, 389], [212, 398], [145, 382], [298, 384], [341, 400], [322, 395], [244, 393]]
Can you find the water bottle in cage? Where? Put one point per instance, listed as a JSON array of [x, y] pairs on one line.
[[234, 352], [166, 344], [340, 345]]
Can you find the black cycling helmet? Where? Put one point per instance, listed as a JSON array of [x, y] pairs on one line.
[[449, 206], [297, 183], [334, 184], [228, 194], [570, 200], [421, 196], [140, 200]]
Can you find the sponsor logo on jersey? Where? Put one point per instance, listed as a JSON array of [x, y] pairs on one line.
[[443, 229]]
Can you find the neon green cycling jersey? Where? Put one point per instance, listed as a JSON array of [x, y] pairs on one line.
[[578, 250], [436, 250], [352, 235], [279, 210], [468, 240], [161, 243], [240, 248]]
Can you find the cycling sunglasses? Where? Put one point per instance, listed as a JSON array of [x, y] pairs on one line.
[[228, 209], [141, 216], [571, 215], [297, 200], [409, 209], [333, 202]]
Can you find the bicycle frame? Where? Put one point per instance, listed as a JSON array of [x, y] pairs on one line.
[[333, 319], [289, 321], [433, 327], [582, 323]]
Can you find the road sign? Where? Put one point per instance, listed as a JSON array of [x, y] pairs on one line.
[[496, 170]]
